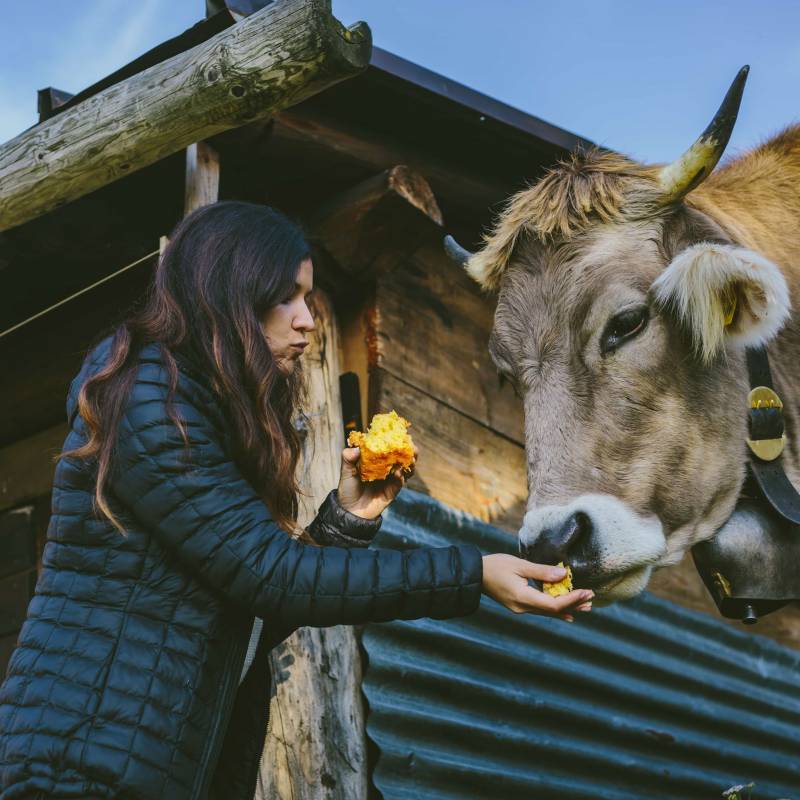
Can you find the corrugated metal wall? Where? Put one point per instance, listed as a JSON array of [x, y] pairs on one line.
[[638, 700]]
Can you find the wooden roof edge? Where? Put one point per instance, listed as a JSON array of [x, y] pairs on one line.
[[483, 104]]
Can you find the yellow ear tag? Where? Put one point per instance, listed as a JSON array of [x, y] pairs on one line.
[[728, 304]]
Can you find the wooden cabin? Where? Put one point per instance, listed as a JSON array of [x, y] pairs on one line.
[[378, 157]]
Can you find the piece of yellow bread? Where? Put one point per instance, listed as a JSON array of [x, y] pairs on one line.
[[385, 446], [564, 586]]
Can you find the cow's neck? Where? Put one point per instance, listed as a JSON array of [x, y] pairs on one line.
[[756, 200]]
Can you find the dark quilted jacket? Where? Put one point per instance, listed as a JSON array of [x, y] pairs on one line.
[[125, 677]]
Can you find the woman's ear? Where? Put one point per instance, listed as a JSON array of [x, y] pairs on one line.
[[723, 295]]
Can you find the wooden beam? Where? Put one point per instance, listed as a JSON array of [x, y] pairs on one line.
[[302, 130], [379, 223], [278, 56], [317, 742]]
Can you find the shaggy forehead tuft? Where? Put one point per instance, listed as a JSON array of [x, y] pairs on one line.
[[590, 187]]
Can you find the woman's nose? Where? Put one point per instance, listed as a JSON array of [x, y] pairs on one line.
[[305, 321]]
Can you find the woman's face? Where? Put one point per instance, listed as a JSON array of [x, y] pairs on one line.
[[286, 325]]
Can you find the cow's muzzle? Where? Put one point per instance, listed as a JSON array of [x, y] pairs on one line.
[[597, 535]]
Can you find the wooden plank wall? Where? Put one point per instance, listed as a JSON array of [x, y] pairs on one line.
[[430, 363], [426, 334]]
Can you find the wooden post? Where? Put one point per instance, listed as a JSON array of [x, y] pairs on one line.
[[316, 747], [202, 176], [280, 55]]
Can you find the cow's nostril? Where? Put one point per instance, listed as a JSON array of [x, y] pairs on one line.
[[563, 543], [575, 533]]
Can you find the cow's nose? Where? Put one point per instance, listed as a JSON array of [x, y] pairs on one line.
[[565, 542]]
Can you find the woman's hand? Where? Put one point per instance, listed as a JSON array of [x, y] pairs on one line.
[[368, 499], [505, 579]]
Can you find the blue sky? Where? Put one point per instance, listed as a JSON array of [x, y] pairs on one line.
[[640, 76]]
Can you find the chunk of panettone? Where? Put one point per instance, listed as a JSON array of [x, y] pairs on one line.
[[564, 586], [385, 446]]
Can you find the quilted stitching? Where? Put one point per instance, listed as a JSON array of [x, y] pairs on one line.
[[115, 683]]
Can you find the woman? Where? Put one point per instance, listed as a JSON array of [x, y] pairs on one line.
[[173, 527]]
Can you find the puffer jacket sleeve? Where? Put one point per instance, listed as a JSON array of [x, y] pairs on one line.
[[202, 509], [336, 526]]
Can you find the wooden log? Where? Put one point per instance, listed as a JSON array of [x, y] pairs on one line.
[[278, 56], [379, 223], [316, 747]]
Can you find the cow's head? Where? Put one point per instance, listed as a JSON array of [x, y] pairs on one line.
[[622, 314]]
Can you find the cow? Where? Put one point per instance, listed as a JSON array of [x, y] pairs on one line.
[[626, 295]]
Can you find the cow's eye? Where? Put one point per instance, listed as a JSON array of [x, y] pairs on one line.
[[623, 327]]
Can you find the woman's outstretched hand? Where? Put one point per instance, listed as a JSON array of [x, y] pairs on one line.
[[368, 499], [505, 579]]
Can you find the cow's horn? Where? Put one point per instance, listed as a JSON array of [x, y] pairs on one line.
[[453, 249], [696, 164]]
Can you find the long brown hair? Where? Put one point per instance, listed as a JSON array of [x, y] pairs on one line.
[[224, 266]]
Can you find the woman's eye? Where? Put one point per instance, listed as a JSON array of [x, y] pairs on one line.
[[623, 327]]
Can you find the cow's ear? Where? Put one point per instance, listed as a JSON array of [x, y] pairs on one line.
[[724, 295]]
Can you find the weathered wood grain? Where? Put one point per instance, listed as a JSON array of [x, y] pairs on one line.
[[461, 463], [202, 176], [316, 747], [432, 331], [274, 58]]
